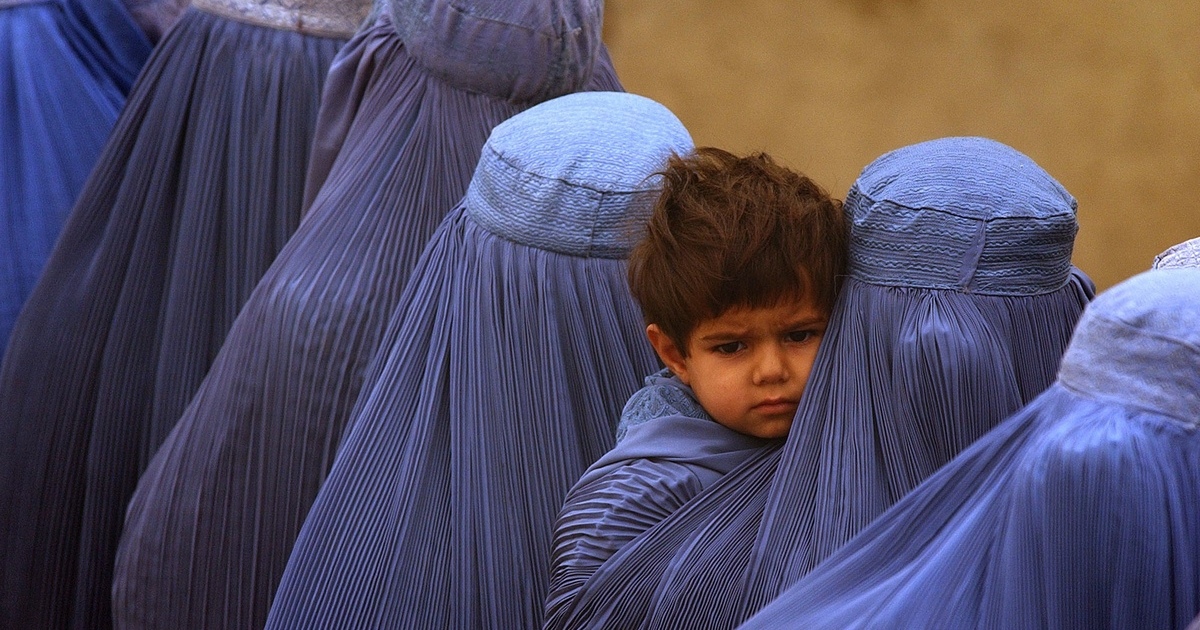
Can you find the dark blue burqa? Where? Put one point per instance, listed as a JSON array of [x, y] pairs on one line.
[[1080, 511], [198, 187], [209, 530], [959, 301], [500, 379], [65, 68]]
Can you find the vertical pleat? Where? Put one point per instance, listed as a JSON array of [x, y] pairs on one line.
[[212, 522], [500, 380], [199, 186]]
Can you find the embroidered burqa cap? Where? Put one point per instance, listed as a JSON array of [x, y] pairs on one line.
[[1079, 511], [959, 301], [1185, 254], [518, 51], [499, 380]]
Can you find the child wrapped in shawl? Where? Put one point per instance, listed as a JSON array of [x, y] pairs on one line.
[[736, 276], [958, 301]]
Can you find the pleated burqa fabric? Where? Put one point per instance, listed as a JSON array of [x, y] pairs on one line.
[[199, 186], [959, 302], [211, 525], [501, 377], [668, 450], [65, 68], [1185, 254], [1080, 511]]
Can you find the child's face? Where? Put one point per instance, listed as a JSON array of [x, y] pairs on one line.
[[748, 367]]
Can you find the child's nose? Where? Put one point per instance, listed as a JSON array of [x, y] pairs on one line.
[[771, 366]]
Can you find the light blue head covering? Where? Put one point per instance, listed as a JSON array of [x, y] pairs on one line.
[[578, 202], [962, 213], [1139, 344], [519, 51], [1185, 254]]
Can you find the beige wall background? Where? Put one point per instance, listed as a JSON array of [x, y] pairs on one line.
[[1103, 94]]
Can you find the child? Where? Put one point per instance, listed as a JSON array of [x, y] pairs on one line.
[[736, 277]]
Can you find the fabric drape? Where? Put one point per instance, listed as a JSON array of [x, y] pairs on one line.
[[65, 69], [197, 189], [212, 522]]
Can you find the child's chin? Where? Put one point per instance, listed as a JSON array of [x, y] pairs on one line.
[[774, 431]]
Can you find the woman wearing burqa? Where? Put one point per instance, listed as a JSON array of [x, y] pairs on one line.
[[500, 379], [409, 105], [1080, 511], [66, 68], [199, 186], [959, 301]]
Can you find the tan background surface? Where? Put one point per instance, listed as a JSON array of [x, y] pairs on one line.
[[1103, 94]]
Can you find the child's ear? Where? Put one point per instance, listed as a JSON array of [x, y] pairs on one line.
[[670, 354]]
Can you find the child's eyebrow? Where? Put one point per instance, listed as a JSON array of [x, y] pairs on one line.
[[808, 321], [725, 334]]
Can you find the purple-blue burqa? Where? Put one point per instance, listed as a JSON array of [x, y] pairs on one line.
[[501, 378], [959, 301], [198, 187], [65, 68], [1080, 511], [407, 110]]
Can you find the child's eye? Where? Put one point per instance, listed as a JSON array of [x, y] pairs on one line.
[[801, 336], [729, 348]]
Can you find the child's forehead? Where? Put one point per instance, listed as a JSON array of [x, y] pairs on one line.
[[787, 311]]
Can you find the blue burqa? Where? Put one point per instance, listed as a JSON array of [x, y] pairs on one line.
[[1080, 511], [199, 186], [500, 379], [410, 101], [959, 301], [65, 68]]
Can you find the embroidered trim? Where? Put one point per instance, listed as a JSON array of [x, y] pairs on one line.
[[324, 18]]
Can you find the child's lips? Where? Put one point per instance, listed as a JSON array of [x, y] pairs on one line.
[[773, 406]]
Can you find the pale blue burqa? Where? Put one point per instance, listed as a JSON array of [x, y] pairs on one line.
[[500, 378]]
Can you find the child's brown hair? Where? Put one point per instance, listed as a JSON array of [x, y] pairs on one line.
[[735, 232]]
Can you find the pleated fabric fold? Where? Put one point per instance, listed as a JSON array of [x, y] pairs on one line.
[[210, 527], [959, 302], [67, 66], [500, 378], [669, 449], [1079, 511], [199, 186]]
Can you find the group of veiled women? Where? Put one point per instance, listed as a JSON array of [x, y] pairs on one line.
[[316, 322]]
